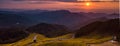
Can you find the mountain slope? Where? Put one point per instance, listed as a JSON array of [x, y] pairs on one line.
[[10, 35], [105, 28], [12, 19], [49, 30]]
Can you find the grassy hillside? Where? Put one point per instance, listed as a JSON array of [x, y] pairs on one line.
[[65, 40], [25, 41], [49, 30], [82, 41], [94, 33], [105, 28]]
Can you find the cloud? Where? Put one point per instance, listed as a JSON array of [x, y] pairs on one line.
[[58, 0], [34, 1], [40, 0]]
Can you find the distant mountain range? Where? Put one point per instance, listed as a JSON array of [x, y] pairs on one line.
[[62, 17]]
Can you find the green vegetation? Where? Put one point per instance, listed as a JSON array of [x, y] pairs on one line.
[[65, 41]]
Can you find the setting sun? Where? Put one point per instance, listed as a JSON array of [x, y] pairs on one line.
[[87, 4]]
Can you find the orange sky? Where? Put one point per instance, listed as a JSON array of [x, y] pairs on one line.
[[72, 6]]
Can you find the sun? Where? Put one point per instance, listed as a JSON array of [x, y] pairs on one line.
[[87, 4]]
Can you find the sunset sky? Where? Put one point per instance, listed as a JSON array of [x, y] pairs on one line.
[[59, 0], [72, 5]]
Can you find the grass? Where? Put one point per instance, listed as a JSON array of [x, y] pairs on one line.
[[67, 40]]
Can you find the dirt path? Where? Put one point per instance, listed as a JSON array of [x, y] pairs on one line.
[[108, 43]]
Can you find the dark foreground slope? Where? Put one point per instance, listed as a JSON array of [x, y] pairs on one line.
[[104, 28], [10, 35]]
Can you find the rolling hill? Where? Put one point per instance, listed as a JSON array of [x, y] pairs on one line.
[[102, 28], [49, 30], [10, 35]]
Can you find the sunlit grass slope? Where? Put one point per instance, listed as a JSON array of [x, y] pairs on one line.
[[82, 41], [25, 41], [65, 40]]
